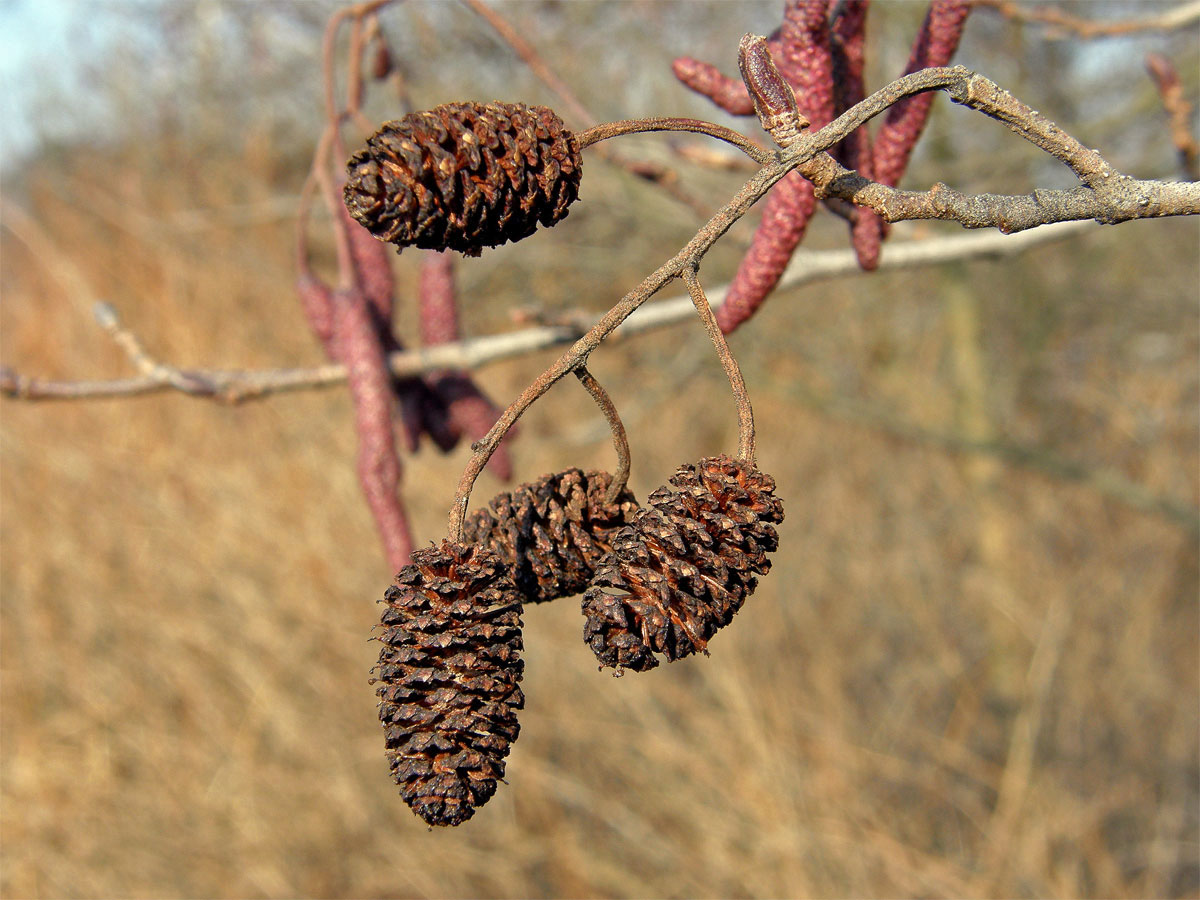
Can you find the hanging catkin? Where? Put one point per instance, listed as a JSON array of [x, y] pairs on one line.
[[553, 531], [448, 677], [464, 176], [685, 567]]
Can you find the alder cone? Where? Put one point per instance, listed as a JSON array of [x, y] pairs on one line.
[[554, 531], [464, 176], [685, 567], [448, 677]]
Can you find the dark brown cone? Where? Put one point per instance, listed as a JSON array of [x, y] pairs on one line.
[[685, 567], [448, 674], [554, 531], [464, 176]]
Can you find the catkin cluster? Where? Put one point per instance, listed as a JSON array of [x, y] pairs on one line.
[[660, 580]]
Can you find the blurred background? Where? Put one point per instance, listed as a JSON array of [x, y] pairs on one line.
[[973, 669]]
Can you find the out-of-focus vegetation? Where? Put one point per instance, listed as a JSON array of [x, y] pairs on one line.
[[966, 675]]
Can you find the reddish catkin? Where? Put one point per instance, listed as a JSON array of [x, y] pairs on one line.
[[316, 298], [357, 345], [846, 41], [806, 61], [706, 79], [785, 217], [372, 268], [902, 126], [466, 410], [373, 274], [438, 299]]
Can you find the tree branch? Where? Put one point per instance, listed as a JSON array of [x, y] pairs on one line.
[[1106, 482], [237, 385], [1069, 25], [1106, 195]]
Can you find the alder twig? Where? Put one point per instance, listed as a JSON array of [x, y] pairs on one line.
[[1105, 195], [1074, 26], [664, 123], [807, 267], [1179, 113], [187, 382]]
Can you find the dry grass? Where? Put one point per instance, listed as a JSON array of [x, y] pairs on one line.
[[961, 678]]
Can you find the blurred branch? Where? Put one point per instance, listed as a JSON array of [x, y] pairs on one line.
[[232, 385], [1073, 26], [656, 173], [46, 251], [537, 65], [1105, 482], [1179, 113]]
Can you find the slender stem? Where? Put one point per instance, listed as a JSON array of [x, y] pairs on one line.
[[512, 36], [332, 197], [358, 10], [732, 369], [598, 133], [620, 440]]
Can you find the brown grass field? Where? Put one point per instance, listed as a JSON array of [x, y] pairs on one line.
[[973, 670]]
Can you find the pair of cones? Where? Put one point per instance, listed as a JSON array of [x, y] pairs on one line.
[[658, 580]]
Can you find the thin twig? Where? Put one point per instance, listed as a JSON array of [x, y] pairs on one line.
[[328, 43], [808, 267], [732, 370], [620, 439], [1179, 113], [1074, 26], [696, 126], [1106, 482], [531, 58], [106, 317]]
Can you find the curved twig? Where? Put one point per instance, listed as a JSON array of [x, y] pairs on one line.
[[620, 439], [608, 130], [1178, 17], [732, 369]]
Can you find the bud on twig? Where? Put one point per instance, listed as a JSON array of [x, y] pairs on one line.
[[774, 100]]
